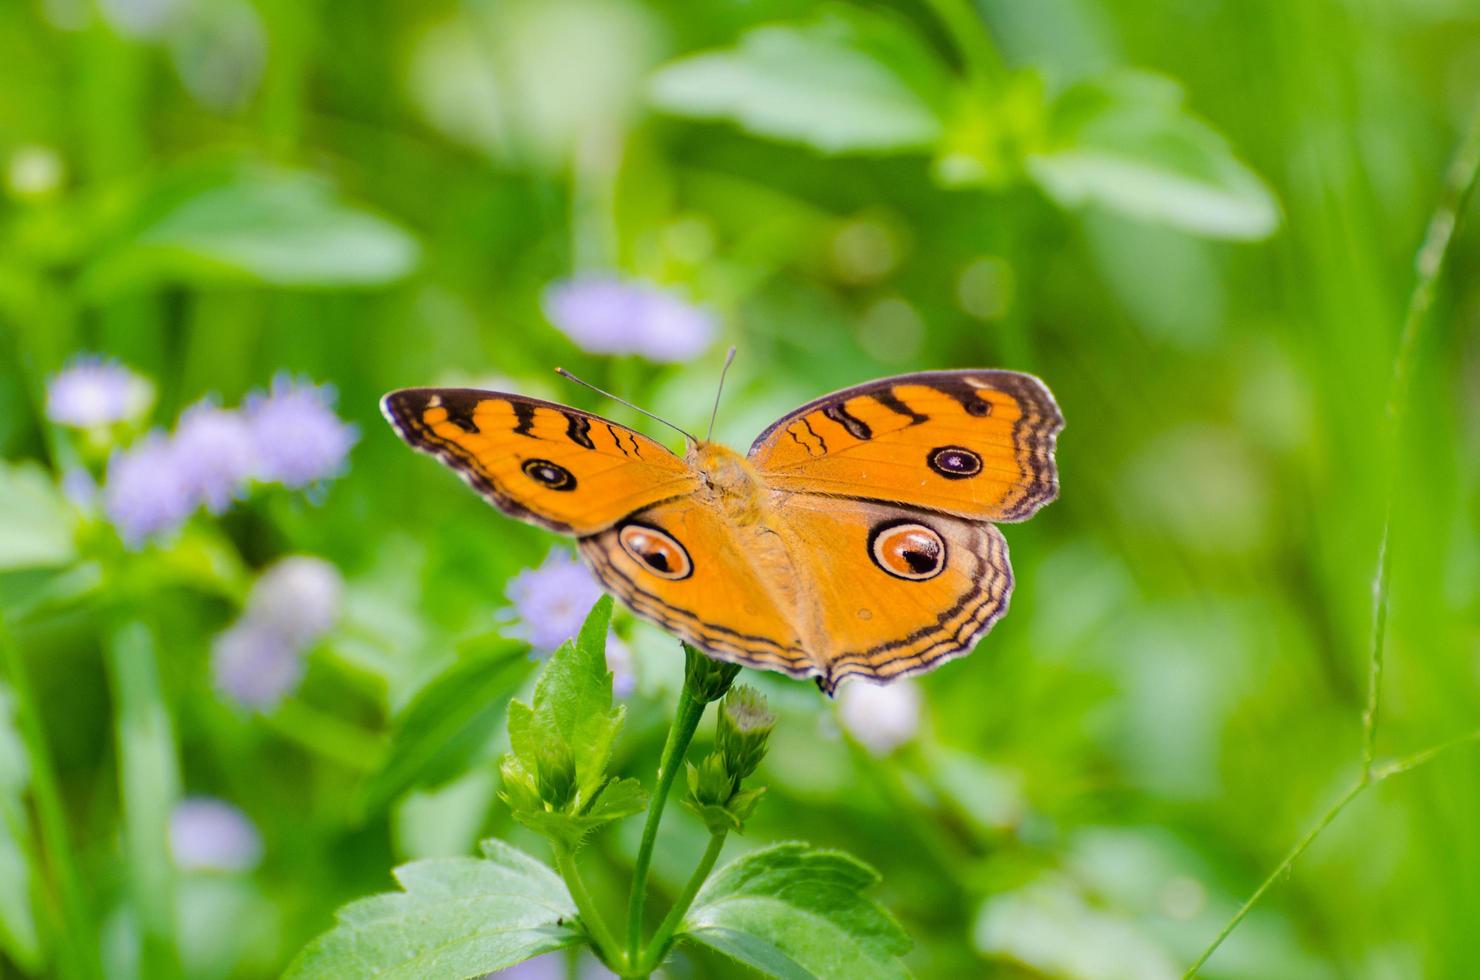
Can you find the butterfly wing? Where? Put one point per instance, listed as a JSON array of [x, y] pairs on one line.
[[547, 464], [718, 586], [891, 591], [978, 444], [818, 588]]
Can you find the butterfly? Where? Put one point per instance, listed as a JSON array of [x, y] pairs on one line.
[[855, 538]]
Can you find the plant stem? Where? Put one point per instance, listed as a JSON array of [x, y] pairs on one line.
[[657, 946], [1459, 185], [685, 722], [1370, 777], [606, 943], [76, 947]]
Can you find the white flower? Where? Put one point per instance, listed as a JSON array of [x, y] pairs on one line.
[[880, 717]]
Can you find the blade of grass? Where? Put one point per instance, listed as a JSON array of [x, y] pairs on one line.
[[149, 786], [75, 943]]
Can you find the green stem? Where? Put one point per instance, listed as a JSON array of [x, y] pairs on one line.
[[606, 942], [148, 787], [685, 722], [1370, 777], [1280, 870], [658, 945], [76, 946]]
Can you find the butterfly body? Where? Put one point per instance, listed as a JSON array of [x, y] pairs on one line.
[[856, 537]]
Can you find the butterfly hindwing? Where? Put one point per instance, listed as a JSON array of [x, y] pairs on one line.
[[829, 589], [892, 591], [721, 588], [558, 467], [978, 444]]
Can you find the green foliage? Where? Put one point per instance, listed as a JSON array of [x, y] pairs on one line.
[[446, 727], [856, 84], [555, 778], [36, 530], [246, 224], [1126, 142], [795, 912], [456, 917], [19, 937]]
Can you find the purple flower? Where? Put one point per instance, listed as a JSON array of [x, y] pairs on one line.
[[79, 487], [551, 602], [91, 392], [146, 493], [258, 660], [214, 450], [606, 315], [552, 966], [254, 665], [297, 438], [619, 662], [208, 834], [299, 598]]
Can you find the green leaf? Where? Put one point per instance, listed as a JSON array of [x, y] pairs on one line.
[[855, 84], [572, 718], [1127, 143], [249, 224], [36, 525], [573, 702], [18, 869], [456, 917], [446, 726], [791, 911]]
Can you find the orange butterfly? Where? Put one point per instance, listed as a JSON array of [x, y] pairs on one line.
[[855, 538]]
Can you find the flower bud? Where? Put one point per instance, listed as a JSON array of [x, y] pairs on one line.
[[708, 678], [743, 727], [557, 772], [710, 782], [518, 787]]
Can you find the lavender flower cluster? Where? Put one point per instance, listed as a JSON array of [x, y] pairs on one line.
[[608, 315], [549, 605], [288, 435], [258, 660]]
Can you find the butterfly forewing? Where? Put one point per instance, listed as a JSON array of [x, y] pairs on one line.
[[979, 444], [558, 467]]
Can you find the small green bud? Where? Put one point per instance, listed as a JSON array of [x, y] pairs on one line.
[[519, 787], [557, 772], [708, 678], [742, 805], [710, 783], [742, 729]]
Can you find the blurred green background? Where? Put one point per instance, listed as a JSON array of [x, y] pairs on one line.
[[1195, 221]]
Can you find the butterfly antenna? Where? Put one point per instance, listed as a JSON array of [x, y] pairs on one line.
[[622, 401], [729, 359]]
